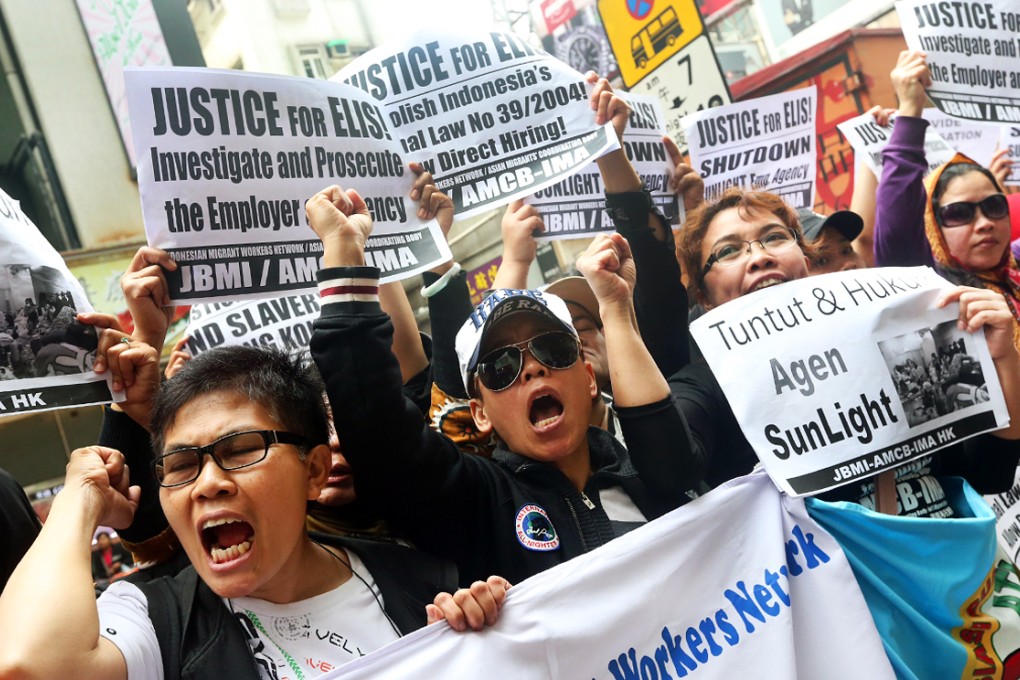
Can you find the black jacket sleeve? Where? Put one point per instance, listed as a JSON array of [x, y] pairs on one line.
[[716, 436], [660, 447], [19, 526], [448, 310], [660, 299], [986, 461], [124, 434], [411, 475], [419, 387]]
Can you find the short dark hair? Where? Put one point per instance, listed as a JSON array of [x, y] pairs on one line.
[[268, 377]]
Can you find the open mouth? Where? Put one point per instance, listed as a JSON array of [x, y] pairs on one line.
[[545, 410], [766, 283], [226, 539]]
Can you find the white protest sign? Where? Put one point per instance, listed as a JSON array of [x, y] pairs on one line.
[[491, 117], [835, 378], [775, 592], [972, 52], [1006, 507], [46, 356], [227, 160], [575, 207], [765, 144], [1010, 140], [284, 323], [978, 141], [868, 139]]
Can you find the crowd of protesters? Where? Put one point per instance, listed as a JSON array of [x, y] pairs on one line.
[[337, 500]]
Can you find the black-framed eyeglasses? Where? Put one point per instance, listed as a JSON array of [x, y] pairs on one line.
[[962, 213], [738, 250], [498, 369], [232, 452]]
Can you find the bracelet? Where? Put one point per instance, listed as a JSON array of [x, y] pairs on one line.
[[440, 283]]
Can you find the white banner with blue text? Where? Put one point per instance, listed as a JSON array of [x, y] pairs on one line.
[[674, 598]]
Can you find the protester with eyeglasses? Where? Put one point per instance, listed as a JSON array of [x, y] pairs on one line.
[[242, 441], [746, 241], [957, 220], [749, 241], [555, 487]]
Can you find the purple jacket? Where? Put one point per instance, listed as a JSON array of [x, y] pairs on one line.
[[901, 198]]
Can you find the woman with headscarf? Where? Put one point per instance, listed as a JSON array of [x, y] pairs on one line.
[[957, 220], [966, 221], [748, 241]]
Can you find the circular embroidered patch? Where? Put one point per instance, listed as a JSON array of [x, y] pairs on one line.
[[293, 627], [535, 530]]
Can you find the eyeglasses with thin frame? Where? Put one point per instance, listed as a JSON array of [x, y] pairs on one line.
[[734, 252], [232, 452], [501, 367], [962, 213]]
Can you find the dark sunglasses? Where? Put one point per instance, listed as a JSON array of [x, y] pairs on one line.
[[994, 207], [498, 369]]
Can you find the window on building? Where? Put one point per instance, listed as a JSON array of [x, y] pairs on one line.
[[291, 8], [739, 44], [312, 59]]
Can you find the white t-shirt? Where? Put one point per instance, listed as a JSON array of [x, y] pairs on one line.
[[619, 506], [291, 641]]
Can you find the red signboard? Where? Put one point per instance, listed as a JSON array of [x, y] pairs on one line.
[[557, 12], [710, 7]]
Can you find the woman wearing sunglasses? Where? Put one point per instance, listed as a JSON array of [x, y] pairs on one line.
[[744, 242], [965, 229], [748, 241], [967, 225], [555, 487]]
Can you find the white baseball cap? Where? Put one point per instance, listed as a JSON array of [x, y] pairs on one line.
[[502, 304]]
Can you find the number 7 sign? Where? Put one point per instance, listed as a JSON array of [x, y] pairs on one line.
[[691, 80]]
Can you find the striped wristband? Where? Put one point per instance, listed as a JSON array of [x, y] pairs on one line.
[[349, 290]]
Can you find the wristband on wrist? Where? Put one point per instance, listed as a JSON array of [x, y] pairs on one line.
[[350, 288], [440, 283]]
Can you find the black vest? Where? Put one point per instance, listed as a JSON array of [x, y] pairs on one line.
[[199, 638]]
